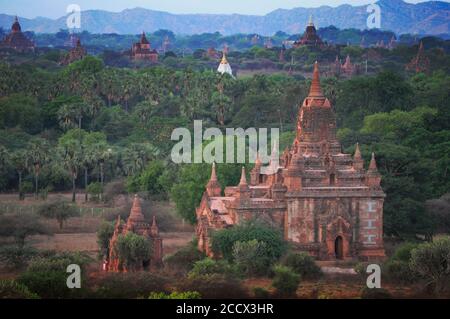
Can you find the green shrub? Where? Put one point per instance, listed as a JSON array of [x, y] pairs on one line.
[[251, 257], [128, 285], [397, 268], [285, 281], [432, 262], [224, 240], [94, 190], [261, 293], [46, 275], [208, 266], [403, 252], [133, 250], [303, 264], [215, 286], [16, 257], [175, 295], [104, 234], [182, 261], [375, 293], [10, 289]]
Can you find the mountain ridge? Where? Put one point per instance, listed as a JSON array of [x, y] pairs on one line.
[[432, 18]]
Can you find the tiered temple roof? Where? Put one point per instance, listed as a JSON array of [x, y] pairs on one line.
[[75, 54], [420, 63], [310, 37], [142, 50], [135, 224], [17, 40], [314, 183]]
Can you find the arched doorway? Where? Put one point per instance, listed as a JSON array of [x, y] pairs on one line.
[[339, 247]]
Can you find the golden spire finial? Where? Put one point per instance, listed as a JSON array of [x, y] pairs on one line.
[[311, 22], [224, 59]]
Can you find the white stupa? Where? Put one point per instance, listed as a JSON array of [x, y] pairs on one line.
[[224, 66]]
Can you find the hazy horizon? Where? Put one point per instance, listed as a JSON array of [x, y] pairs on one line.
[[49, 9]]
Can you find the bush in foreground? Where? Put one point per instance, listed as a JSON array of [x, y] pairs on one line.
[[10, 289], [432, 262], [175, 295], [285, 281], [303, 264]]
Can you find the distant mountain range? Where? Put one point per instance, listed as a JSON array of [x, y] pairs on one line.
[[431, 18]]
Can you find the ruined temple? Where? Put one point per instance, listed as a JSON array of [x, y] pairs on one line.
[[17, 40], [420, 63], [75, 54], [325, 202], [310, 37], [142, 50], [136, 224]]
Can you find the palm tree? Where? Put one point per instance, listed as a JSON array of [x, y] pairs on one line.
[[71, 115], [88, 159], [19, 161], [101, 154], [71, 155], [37, 155], [136, 157]]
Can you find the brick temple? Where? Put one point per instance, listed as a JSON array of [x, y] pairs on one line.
[[136, 223], [142, 50], [75, 54], [310, 37], [325, 202], [17, 40]]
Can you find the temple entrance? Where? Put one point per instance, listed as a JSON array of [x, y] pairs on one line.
[[339, 248]]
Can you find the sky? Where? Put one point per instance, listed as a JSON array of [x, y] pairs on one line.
[[57, 8]]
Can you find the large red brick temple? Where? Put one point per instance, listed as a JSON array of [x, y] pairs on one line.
[[142, 50], [16, 40], [136, 224], [325, 202], [310, 37]]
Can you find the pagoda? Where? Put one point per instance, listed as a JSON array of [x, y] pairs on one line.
[[75, 54], [324, 201], [310, 37], [135, 224], [17, 40], [224, 66], [420, 63], [142, 50]]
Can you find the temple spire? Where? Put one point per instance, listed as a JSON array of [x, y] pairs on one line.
[[357, 155], [213, 188], [154, 230], [243, 180], [213, 172], [136, 211], [311, 22], [316, 89], [373, 164]]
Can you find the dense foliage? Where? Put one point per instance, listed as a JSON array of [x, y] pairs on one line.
[[90, 123]]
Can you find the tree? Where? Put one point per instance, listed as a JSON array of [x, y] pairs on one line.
[[285, 281], [134, 250], [71, 115], [303, 264], [60, 210], [251, 257], [71, 153], [37, 155], [20, 227], [224, 240], [432, 262], [19, 161], [104, 234]]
